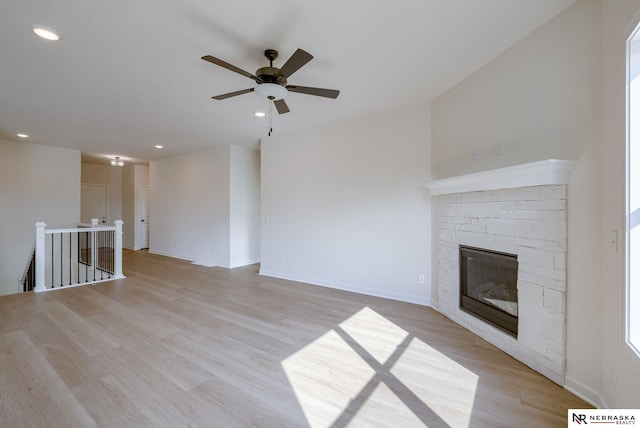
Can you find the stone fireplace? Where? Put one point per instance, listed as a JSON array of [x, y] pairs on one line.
[[519, 211]]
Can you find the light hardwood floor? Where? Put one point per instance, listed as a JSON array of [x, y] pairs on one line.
[[176, 344]]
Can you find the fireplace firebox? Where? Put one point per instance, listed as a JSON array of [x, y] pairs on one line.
[[489, 287]]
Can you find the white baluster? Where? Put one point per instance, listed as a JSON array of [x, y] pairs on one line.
[[40, 240]]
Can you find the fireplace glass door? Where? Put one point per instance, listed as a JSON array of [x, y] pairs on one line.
[[489, 287]]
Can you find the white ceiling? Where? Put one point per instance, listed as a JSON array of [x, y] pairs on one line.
[[127, 75]]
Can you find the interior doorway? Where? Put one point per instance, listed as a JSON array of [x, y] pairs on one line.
[[143, 215]]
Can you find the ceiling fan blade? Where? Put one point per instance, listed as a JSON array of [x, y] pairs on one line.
[[232, 94], [281, 106], [293, 64], [223, 64], [320, 92]]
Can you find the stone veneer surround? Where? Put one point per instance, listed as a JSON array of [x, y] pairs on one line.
[[529, 221]]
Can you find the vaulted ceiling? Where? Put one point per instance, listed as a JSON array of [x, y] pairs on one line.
[[127, 75]]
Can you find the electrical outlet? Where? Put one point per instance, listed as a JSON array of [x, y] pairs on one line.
[[421, 279], [499, 148], [475, 154], [288, 260]]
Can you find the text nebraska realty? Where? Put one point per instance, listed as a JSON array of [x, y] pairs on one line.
[[604, 419]]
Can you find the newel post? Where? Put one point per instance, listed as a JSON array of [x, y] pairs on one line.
[[40, 257], [117, 269], [94, 246]]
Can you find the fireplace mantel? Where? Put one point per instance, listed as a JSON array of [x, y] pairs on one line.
[[550, 171]]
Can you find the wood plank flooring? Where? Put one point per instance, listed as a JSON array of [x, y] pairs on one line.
[[176, 345]]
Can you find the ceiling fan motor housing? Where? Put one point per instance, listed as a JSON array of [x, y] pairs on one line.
[[270, 75], [273, 84]]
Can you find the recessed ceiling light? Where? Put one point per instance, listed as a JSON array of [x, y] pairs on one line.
[[260, 114], [159, 146], [46, 32], [23, 135]]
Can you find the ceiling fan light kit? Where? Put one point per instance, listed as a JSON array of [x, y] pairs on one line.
[[272, 81], [271, 91]]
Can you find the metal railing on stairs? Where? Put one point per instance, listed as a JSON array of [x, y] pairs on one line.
[[28, 280]]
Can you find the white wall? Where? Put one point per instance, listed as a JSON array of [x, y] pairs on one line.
[[542, 99], [244, 227], [190, 206], [205, 206], [620, 371], [37, 183], [536, 99], [345, 205], [111, 177]]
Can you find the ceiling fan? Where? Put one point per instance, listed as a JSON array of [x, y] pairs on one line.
[[272, 81]]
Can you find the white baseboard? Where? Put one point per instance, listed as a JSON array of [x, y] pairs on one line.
[[167, 254], [587, 394], [423, 301], [204, 263], [244, 263]]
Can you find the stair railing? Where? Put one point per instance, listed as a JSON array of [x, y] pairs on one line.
[[77, 256], [28, 280]]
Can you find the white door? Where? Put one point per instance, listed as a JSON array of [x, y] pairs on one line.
[[143, 212], [93, 203]]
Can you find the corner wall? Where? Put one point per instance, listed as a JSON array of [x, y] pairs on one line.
[[244, 225], [190, 206], [204, 206], [541, 99], [37, 183], [345, 206]]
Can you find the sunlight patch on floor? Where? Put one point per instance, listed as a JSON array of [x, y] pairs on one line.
[[326, 385], [379, 336], [368, 370], [445, 386], [384, 409]]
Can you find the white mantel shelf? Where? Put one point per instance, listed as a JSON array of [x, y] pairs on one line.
[[550, 171]]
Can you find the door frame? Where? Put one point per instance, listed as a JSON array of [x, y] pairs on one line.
[[139, 244]]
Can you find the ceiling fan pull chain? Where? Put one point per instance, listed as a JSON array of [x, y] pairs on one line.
[[270, 117]]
